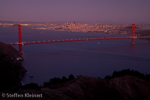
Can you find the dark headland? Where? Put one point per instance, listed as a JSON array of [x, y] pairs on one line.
[[11, 71], [122, 85]]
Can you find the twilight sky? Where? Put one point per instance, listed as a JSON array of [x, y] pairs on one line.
[[132, 11]]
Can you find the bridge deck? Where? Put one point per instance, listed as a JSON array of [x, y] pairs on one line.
[[84, 39]]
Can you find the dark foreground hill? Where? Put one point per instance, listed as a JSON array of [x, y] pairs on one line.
[[89, 88]]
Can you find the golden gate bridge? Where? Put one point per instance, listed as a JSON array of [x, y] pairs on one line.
[[20, 43]]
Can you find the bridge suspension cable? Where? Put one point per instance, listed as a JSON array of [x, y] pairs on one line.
[[8, 30]]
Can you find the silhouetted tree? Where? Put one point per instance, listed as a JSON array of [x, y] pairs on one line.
[[55, 80], [31, 86], [128, 72], [64, 79], [108, 77], [71, 77]]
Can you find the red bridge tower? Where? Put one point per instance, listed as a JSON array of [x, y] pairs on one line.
[[20, 39], [133, 34]]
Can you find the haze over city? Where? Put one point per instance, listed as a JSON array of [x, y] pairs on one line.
[[105, 11]]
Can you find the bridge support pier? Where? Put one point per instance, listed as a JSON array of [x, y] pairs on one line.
[[133, 34], [132, 41], [19, 38]]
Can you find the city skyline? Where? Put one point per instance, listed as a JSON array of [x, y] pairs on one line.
[[110, 11]]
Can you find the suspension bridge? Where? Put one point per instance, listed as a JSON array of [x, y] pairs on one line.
[[20, 43]]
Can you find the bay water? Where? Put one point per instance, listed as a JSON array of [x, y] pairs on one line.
[[86, 58]]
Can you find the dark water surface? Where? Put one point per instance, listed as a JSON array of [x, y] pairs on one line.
[[87, 58]]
